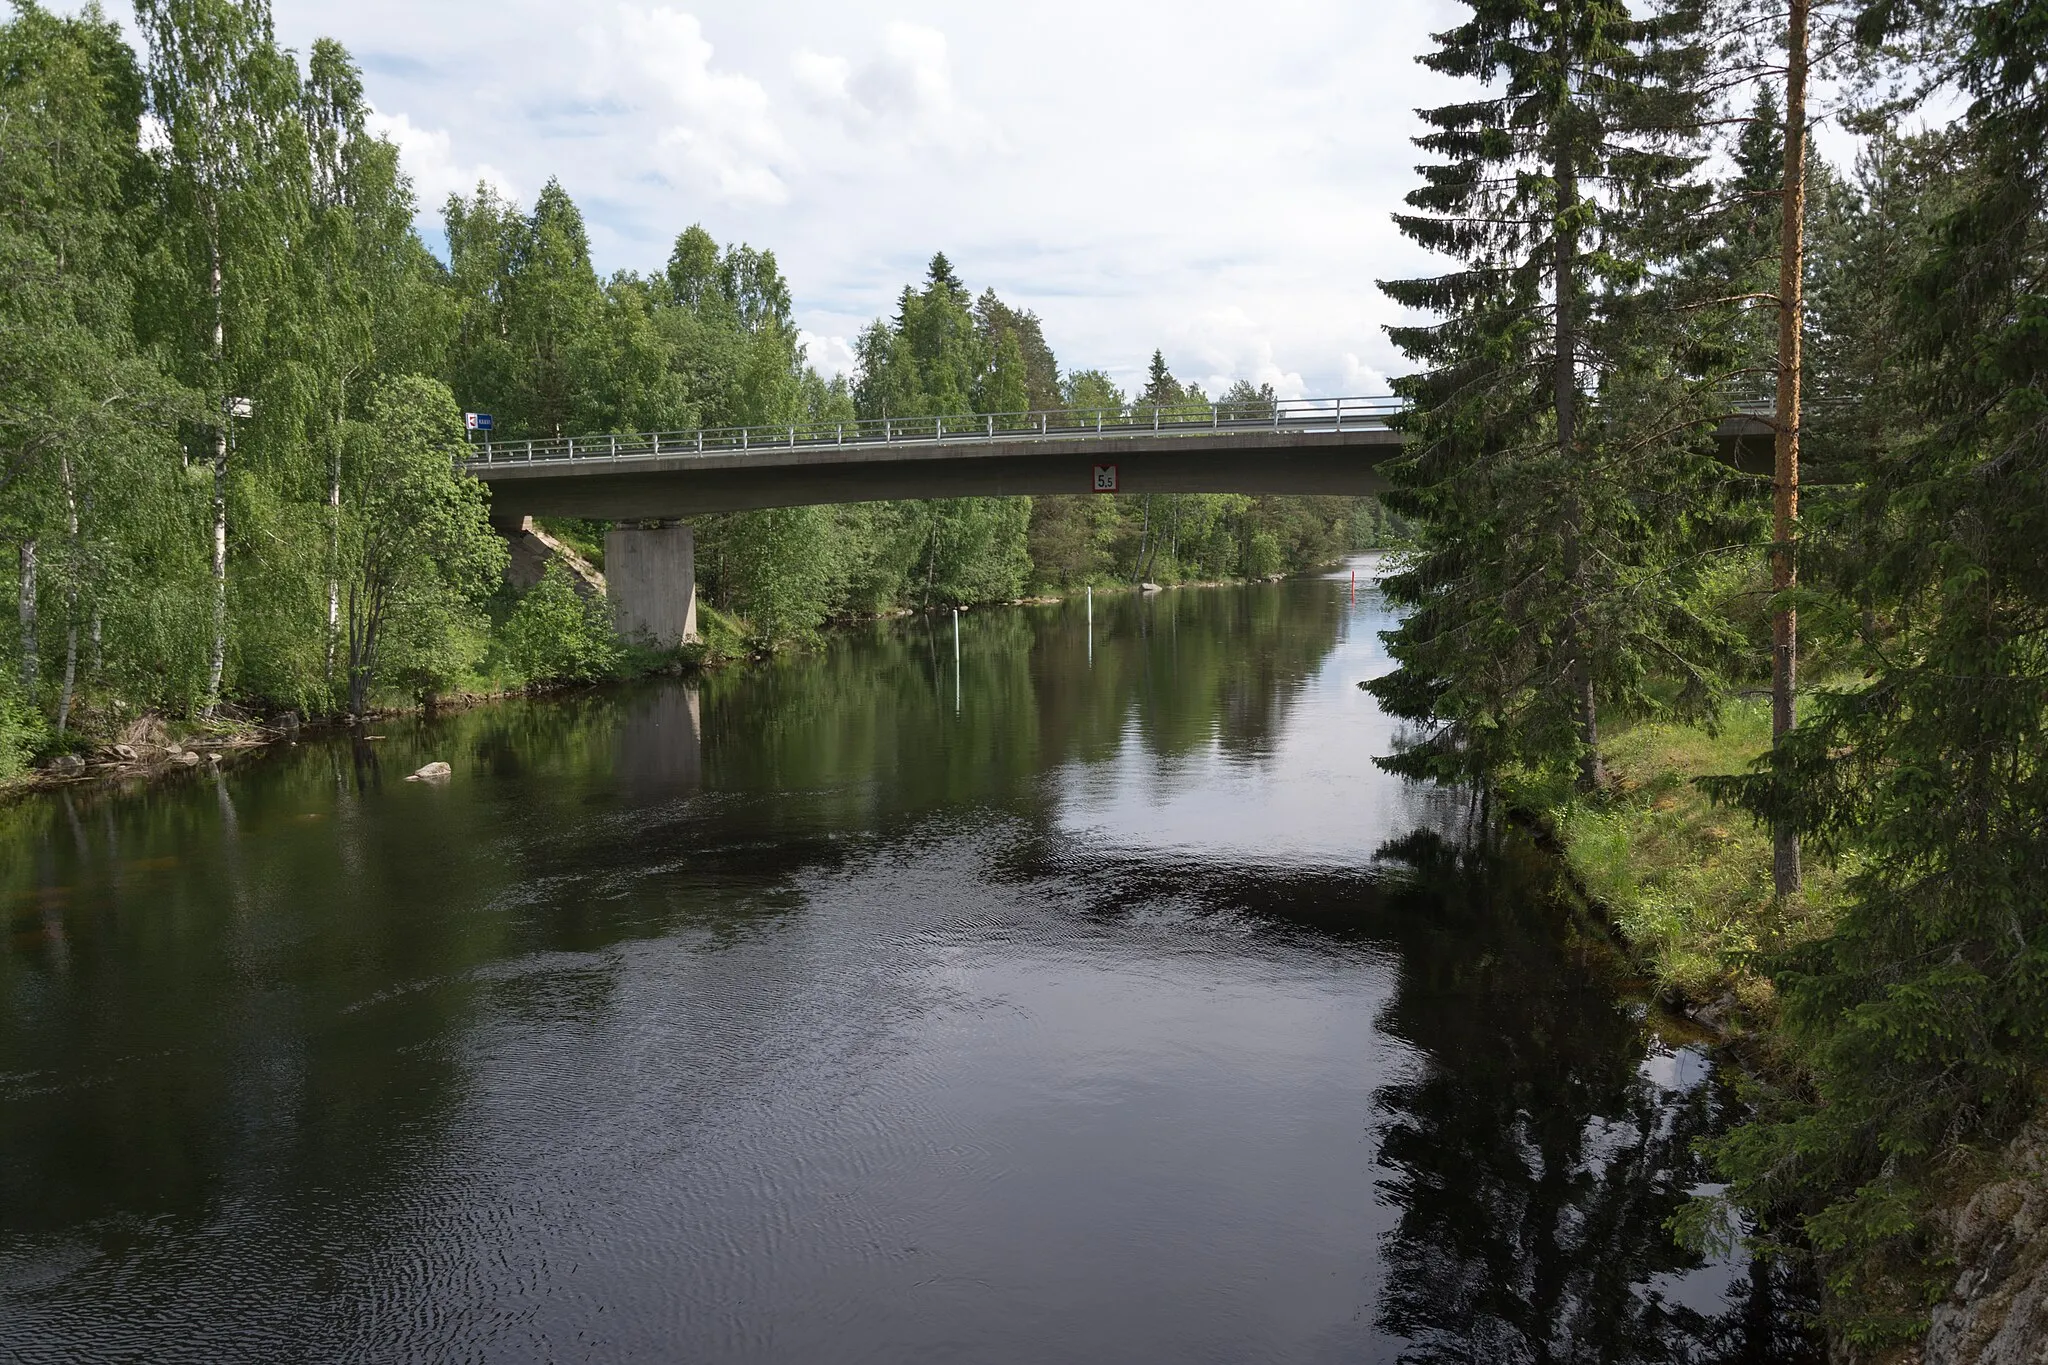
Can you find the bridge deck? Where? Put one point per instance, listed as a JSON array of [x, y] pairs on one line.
[[637, 482], [1327, 446]]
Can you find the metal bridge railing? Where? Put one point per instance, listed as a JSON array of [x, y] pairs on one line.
[[1291, 414]]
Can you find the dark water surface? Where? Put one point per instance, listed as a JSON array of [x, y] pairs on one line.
[[1103, 1005]]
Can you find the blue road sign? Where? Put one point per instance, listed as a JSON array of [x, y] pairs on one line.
[[477, 421]]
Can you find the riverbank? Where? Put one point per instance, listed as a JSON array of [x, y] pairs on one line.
[[140, 748], [1687, 883], [1688, 887]]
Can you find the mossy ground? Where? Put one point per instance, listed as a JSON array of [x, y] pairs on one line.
[[1688, 883]]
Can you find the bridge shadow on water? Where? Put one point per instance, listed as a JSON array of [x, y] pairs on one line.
[[1090, 998]]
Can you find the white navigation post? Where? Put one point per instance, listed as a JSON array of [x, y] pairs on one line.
[[1091, 625], [956, 661]]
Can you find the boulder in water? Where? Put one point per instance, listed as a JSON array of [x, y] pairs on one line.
[[433, 772]]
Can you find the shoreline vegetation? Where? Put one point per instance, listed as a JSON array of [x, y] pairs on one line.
[[151, 746], [1637, 235], [1685, 882]]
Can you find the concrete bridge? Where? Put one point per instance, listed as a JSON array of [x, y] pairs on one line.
[[651, 483]]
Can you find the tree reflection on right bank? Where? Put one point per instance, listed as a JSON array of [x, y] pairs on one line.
[[1536, 1152]]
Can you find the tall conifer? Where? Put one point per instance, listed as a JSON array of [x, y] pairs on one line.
[[1554, 457]]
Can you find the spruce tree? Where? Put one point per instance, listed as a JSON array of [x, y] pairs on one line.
[[1557, 453], [1161, 388], [554, 307]]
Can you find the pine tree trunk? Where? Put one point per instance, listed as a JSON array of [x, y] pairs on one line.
[[31, 658], [217, 662], [1592, 773], [1785, 862]]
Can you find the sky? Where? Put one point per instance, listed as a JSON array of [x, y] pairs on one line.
[[1211, 179]]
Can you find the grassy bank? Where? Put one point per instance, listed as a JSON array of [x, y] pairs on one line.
[[1687, 883]]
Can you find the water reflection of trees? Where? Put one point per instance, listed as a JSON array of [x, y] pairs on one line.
[[1533, 1155], [1542, 1137], [1178, 671]]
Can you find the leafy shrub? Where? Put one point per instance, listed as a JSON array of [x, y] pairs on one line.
[[556, 635], [21, 728]]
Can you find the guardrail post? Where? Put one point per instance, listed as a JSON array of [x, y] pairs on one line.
[[792, 436], [700, 440], [655, 436], [572, 447], [991, 424], [1155, 417], [744, 433], [615, 445], [1340, 414], [940, 430], [840, 439], [887, 435]]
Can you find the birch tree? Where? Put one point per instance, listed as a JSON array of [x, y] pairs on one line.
[[225, 102]]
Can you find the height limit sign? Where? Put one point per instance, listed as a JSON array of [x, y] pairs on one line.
[[1105, 478]]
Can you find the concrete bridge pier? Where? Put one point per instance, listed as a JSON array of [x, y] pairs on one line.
[[650, 571]]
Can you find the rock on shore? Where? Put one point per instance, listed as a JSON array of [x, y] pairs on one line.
[[1997, 1313]]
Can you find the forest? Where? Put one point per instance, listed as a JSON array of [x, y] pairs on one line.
[[1642, 241], [232, 380]]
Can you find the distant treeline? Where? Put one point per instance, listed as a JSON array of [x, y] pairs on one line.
[[232, 378]]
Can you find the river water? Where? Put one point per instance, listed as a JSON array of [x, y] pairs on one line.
[[1084, 996]]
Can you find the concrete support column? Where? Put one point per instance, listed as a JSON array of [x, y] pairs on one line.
[[650, 574]]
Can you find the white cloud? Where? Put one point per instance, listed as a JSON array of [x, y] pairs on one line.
[[1229, 345], [714, 129], [428, 156], [829, 355], [903, 93], [1361, 378], [1216, 187]]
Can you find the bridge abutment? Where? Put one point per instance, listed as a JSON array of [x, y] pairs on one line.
[[650, 574]]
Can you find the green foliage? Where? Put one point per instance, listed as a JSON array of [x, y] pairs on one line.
[[779, 569], [21, 728], [1558, 471], [417, 553], [554, 635], [1923, 1019], [229, 374]]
